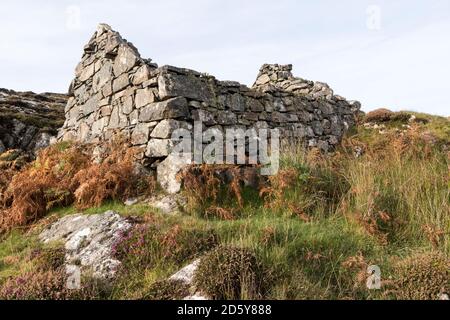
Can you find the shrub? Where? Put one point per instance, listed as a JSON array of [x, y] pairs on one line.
[[167, 290], [50, 285], [401, 117], [49, 258], [422, 277], [35, 286], [230, 273], [379, 115]]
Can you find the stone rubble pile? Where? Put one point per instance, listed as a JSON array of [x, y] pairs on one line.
[[117, 91]]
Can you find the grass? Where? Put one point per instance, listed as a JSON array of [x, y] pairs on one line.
[[315, 227], [14, 251], [138, 210]]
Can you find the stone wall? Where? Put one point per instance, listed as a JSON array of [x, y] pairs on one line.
[[115, 90]]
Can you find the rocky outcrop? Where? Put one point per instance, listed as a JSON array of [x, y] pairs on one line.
[[115, 90], [88, 240], [27, 120]]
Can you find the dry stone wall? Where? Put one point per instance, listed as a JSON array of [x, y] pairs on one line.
[[115, 90]]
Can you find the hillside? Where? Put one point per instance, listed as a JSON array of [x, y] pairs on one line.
[[29, 120], [312, 231]]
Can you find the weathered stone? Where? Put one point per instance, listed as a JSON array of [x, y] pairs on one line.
[[166, 127], [116, 119], [141, 133], [128, 104], [70, 104], [90, 106], [279, 117], [317, 127], [263, 79], [157, 148], [141, 75], [105, 111], [152, 82], [167, 204], [111, 46], [121, 82], [87, 73], [168, 109], [168, 169], [255, 105], [126, 59], [107, 89], [88, 241], [173, 85], [102, 76], [99, 125], [204, 116], [144, 97], [134, 117], [236, 102], [278, 105], [226, 118]]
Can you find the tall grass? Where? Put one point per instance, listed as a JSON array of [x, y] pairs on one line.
[[314, 227], [408, 187]]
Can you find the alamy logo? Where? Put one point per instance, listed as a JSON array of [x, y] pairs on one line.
[[233, 146], [73, 277], [374, 279], [373, 21], [73, 17]]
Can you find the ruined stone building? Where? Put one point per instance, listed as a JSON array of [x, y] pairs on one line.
[[115, 90]]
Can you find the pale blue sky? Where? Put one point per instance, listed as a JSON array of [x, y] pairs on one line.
[[391, 54]]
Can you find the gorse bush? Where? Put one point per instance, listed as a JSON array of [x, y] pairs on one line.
[[230, 273]]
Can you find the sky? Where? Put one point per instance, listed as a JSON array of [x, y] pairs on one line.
[[392, 53]]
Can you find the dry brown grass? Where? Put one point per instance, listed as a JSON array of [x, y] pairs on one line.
[[207, 186], [61, 176], [41, 185], [273, 192], [113, 178]]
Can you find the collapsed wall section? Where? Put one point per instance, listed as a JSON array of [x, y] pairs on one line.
[[115, 90]]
